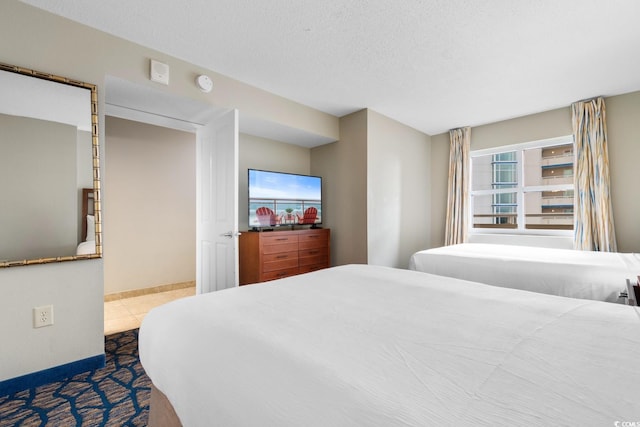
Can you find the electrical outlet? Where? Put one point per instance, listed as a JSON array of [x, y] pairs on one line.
[[42, 316]]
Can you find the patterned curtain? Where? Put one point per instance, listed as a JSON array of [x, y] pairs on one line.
[[592, 202], [458, 199]]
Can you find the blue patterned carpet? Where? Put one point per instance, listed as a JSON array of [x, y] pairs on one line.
[[116, 395]]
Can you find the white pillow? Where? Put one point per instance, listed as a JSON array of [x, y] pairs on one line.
[[91, 228]]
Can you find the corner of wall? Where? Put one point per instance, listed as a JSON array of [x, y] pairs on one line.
[[439, 178]]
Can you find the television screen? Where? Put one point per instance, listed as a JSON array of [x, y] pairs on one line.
[[277, 198]]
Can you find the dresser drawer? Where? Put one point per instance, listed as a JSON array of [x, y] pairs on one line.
[[311, 260], [279, 239], [279, 256], [279, 274], [312, 267], [279, 248], [311, 256], [313, 252], [313, 241], [280, 265]]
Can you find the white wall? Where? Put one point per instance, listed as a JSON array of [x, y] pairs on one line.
[[149, 220], [398, 191]]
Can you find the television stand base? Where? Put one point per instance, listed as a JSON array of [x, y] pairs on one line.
[[257, 229]]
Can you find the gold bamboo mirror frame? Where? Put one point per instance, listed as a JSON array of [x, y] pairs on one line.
[[50, 208]]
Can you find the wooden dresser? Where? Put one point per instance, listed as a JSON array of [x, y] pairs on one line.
[[270, 255]]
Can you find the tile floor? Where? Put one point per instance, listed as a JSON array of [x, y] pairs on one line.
[[127, 313]]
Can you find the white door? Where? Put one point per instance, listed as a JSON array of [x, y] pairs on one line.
[[217, 204]]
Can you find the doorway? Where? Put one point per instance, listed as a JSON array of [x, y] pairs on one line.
[[150, 209], [216, 169]]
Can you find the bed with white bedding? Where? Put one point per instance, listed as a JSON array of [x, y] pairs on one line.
[[599, 276], [87, 245], [364, 345]]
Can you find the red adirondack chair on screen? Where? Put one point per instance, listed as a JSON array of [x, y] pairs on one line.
[[266, 217], [309, 217]]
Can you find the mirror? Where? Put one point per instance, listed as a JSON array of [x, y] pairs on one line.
[[49, 169]]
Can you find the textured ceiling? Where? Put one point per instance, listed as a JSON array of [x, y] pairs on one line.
[[431, 64]]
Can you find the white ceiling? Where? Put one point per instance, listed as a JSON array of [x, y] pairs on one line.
[[431, 64]]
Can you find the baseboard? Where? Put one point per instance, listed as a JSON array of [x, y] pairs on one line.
[[147, 291], [46, 376]]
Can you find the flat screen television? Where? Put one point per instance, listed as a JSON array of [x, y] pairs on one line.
[[284, 199]]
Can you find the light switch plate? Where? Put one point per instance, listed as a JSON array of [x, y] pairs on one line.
[[159, 72]]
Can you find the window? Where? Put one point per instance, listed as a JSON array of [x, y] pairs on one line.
[[524, 188]]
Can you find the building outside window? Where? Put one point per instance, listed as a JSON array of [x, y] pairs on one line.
[[524, 188], [504, 171]]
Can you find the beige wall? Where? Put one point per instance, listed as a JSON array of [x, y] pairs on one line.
[[398, 191], [343, 167], [72, 288], [376, 190], [548, 124], [143, 250], [439, 177], [42, 41], [266, 154], [149, 186], [623, 132], [624, 151]]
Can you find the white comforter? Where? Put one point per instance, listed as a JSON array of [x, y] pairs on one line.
[[600, 276], [375, 346]]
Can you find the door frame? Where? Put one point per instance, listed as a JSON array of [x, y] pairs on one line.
[[131, 101]]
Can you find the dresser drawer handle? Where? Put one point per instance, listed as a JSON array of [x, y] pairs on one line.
[[282, 256], [313, 252], [282, 239]]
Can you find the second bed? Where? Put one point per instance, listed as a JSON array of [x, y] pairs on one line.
[[599, 276]]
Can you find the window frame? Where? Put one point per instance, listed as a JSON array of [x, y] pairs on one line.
[[520, 189]]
